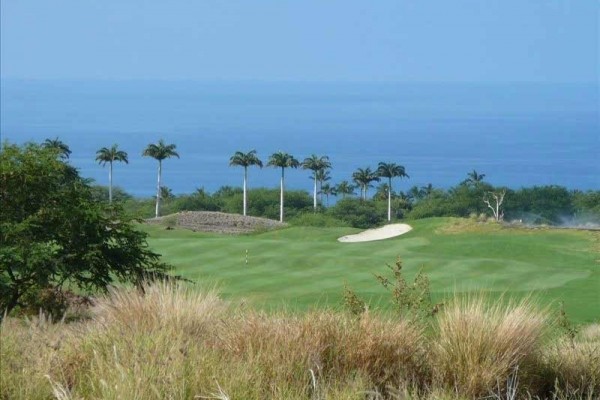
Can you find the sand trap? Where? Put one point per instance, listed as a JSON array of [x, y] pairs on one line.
[[385, 232]]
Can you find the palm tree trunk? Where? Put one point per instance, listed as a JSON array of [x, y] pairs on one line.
[[110, 183], [390, 200], [281, 198], [315, 193], [156, 212], [245, 180], [321, 192]]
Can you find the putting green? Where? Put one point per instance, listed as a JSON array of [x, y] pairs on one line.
[[305, 266]]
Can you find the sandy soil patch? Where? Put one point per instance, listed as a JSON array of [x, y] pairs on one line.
[[385, 232]]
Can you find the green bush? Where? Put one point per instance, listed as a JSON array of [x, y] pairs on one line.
[[358, 213], [317, 219]]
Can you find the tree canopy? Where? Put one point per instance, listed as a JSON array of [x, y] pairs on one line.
[[55, 234]]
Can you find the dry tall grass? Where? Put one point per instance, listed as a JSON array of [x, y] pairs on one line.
[[480, 345], [179, 343]]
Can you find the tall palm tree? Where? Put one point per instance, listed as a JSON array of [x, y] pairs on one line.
[[106, 155], [282, 160], [160, 151], [390, 170], [245, 160], [61, 147], [364, 177], [316, 164], [345, 189]]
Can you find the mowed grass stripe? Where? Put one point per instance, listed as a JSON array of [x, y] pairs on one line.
[[305, 266]]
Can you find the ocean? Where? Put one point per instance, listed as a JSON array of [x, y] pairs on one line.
[[516, 134]]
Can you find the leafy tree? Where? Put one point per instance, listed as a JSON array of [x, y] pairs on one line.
[[245, 160], [106, 155], [390, 170], [282, 160], [364, 177], [587, 206], [100, 193], [200, 200], [344, 188], [54, 234], [160, 151], [58, 146], [540, 204], [316, 164]]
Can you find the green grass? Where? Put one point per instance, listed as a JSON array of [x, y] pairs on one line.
[[299, 267]]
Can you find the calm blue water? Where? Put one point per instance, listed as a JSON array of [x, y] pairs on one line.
[[518, 135]]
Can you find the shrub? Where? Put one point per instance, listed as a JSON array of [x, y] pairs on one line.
[[479, 345], [358, 213], [317, 219]]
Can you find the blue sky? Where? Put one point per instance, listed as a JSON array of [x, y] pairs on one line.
[[309, 40]]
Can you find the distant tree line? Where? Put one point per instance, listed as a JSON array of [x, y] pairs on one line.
[[472, 197]]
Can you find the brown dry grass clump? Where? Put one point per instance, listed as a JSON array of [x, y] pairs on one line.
[[180, 343], [480, 345]]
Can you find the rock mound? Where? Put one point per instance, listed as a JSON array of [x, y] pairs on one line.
[[217, 222]]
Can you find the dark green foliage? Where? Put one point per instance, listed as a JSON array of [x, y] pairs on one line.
[[100, 193], [459, 201], [200, 200], [358, 213], [55, 233], [321, 220], [539, 204], [263, 202]]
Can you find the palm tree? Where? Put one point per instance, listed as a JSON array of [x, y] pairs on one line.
[[160, 152], [473, 178], [316, 164], [327, 190], [61, 147], [426, 190], [381, 192], [245, 160], [390, 170], [345, 189], [322, 176], [282, 160], [166, 193], [106, 155], [364, 177]]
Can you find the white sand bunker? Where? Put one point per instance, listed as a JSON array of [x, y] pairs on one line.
[[385, 232]]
